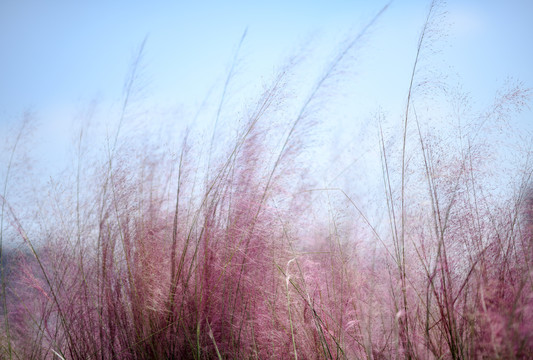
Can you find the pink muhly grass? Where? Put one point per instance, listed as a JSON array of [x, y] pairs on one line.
[[155, 256]]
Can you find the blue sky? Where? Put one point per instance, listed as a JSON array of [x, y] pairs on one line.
[[59, 55]]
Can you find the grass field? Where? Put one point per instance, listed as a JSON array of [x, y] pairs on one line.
[[226, 247]]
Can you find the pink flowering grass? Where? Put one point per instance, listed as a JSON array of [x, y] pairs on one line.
[[154, 254]]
